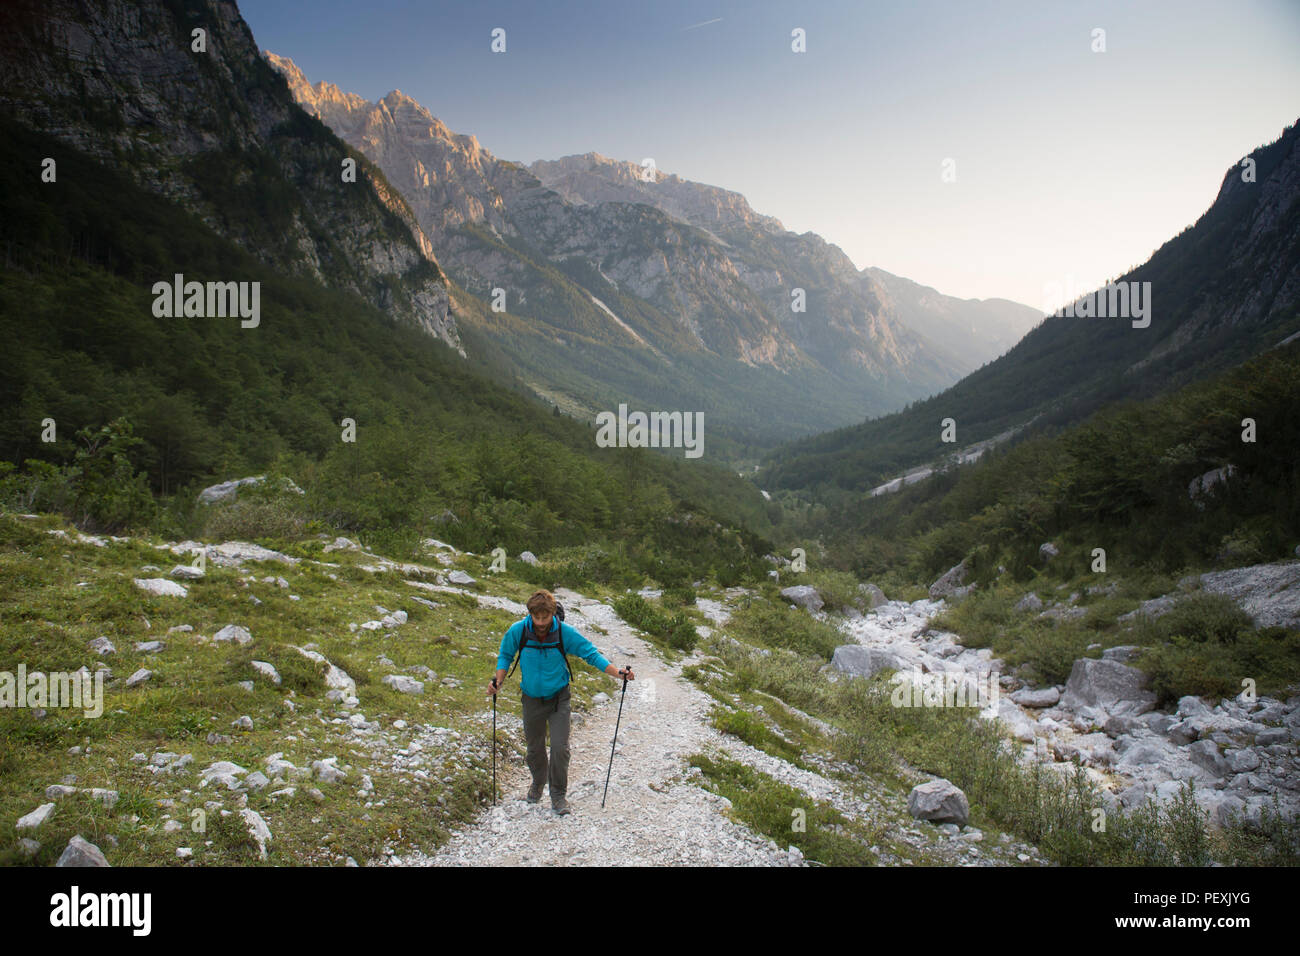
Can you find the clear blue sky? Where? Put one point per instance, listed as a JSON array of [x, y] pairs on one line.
[[1070, 164]]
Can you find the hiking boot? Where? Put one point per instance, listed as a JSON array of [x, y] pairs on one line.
[[534, 793], [560, 805]]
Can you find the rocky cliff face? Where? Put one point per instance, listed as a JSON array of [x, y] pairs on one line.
[[588, 253], [951, 333], [216, 130]]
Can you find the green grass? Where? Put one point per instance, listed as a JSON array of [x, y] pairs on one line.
[[772, 808], [780, 626], [47, 621]]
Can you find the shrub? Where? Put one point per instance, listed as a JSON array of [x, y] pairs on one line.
[[678, 597], [1184, 667], [1204, 617], [1051, 651], [246, 519], [676, 630]]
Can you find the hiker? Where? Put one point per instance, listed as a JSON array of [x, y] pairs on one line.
[[544, 677]]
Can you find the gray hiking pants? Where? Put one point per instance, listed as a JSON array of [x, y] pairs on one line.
[[538, 715]]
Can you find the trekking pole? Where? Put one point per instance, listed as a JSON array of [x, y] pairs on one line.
[[494, 743], [615, 741]]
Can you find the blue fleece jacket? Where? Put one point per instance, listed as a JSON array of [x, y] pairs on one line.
[[541, 671]]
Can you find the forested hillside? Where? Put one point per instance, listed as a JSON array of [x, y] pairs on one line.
[[440, 448]]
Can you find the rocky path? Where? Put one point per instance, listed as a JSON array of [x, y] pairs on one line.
[[653, 815], [656, 813]]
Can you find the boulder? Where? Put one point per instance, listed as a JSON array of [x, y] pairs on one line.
[[460, 577], [1191, 706], [232, 554], [1269, 593], [938, 801], [528, 558], [81, 852], [230, 489], [403, 684], [161, 587], [859, 661], [1109, 687], [257, 829], [34, 819], [872, 596], [233, 632], [804, 596], [1119, 726], [267, 670], [102, 646], [326, 771], [1021, 727], [1047, 551], [1143, 757], [1046, 697], [1122, 653], [1030, 602], [1153, 608], [1242, 761], [1205, 754], [950, 581]]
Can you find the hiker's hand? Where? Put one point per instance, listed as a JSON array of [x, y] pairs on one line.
[[626, 674], [492, 687]]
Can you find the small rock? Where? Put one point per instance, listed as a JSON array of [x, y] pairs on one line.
[[404, 684], [161, 587], [139, 677], [268, 671], [102, 646], [34, 819], [939, 801], [257, 829], [80, 852], [233, 632]]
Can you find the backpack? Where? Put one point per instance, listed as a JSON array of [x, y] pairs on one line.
[[559, 613]]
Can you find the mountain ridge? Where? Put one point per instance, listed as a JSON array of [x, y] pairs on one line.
[[217, 130], [711, 301], [1226, 288]]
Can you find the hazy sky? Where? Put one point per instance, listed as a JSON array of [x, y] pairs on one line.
[[1070, 165]]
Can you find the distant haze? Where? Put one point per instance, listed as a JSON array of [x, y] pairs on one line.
[[1071, 165]]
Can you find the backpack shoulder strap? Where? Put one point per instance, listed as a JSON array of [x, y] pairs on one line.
[[563, 656], [523, 639]]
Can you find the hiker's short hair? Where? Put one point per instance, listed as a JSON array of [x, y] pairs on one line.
[[541, 603]]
